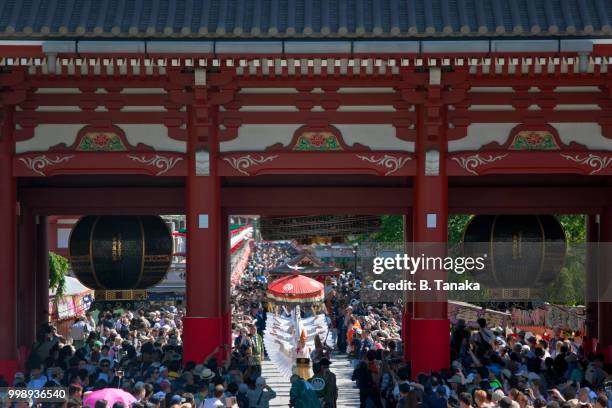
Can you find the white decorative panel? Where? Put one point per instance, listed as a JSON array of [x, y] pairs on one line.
[[480, 134], [432, 220], [432, 163], [268, 91], [491, 108], [572, 107], [57, 109], [63, 235], [58, 91], [366, 90], [202, 163], [491, 89], [203, 221], [143, 91], [577, 89], [143, 109], [366, 108], [270, 108], [588, 134], [152, 135], [256, 137], [67, 220], [377, 137], [47, 135]]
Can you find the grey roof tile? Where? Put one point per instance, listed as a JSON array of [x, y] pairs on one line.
[[247, 19]]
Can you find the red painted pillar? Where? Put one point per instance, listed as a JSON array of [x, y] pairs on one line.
[[226, 281], [203, 324], [42, 272], [605, 282], [408, 299], [26, 280], [8, 251], [430, 333]]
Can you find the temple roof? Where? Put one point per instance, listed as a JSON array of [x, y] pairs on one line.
[[305, 264], [300, 19]]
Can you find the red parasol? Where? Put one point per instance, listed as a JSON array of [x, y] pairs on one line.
[[296, 289]]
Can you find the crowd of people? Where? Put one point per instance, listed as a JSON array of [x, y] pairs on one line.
[[492, 368], [268, 255], [141, 352]]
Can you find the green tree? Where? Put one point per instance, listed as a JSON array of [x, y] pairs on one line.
[[562, 291], [569, 287], [58, 267], [391, 229], [456, 226], [574, 226]]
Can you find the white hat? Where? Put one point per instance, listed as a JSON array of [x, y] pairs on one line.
[[207, 374], [498, 394]]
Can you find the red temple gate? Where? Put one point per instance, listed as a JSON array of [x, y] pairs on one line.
[[211, 128]]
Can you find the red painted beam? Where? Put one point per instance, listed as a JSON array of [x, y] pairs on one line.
[[99, 81], [22, 51], [541, 81], [369, 162], [91, 117], [306, 81], [272, 99], [91, 98], [311, 200], [398, 200], [325, 200], [326, 117], [525, 200], [518, 116], [508, 98], [596, 163], [103, 200], [120, 163]]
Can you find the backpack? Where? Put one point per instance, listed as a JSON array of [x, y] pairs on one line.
[[242, 400]]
